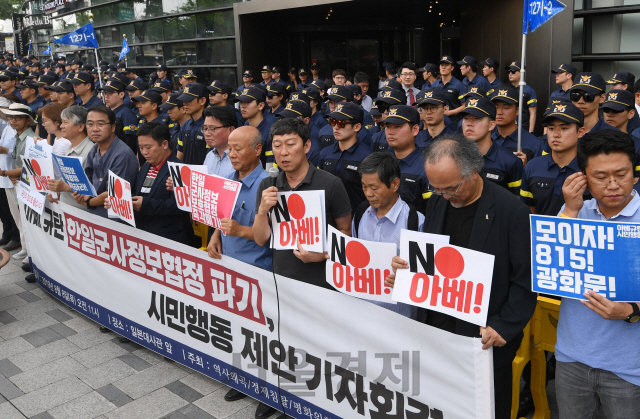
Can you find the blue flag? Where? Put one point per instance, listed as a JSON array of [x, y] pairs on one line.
[[81, 37], [30, 47], [125, 49], [538, 12], [47, 51]]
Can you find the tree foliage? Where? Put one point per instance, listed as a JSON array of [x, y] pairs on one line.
[[7, 7]]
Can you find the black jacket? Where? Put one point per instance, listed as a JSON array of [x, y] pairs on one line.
[[159, 213], [500, 228]]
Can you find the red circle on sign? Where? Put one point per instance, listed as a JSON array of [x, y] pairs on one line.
[[36, 167], [477, 309], [357, 254], [185, 173], [296, 206], [449, 262], [117, 188]]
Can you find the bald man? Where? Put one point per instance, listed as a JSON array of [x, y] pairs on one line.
[[245, 146]]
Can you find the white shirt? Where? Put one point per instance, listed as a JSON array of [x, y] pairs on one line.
[[367, 102], [7, 139]]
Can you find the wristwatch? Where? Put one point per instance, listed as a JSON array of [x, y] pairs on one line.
[[635, 316], [88, 204]]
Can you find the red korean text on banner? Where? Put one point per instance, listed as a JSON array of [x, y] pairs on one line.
[[212, 198], [299, 217], [120, 199], [181, 176]]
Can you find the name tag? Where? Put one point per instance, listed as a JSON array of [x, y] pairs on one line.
[[492, 176], [352, 167], [409, 180]]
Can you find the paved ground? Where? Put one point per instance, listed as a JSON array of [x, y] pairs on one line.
[[54, 363]]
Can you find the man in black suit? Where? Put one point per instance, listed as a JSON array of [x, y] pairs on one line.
[[482, 216], [154, 206]]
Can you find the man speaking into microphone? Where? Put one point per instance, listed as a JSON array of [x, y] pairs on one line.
[[290, 142]]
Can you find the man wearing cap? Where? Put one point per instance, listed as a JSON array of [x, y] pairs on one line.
[[161, 72], [266, 75], [192, 147], [185, 77], [163, 88], [500, 165], [247, 79], [530, 99], [430, 73], [490, 72], [126, 121], [288, 85], [564, 77], [432, 106], [219, 123], [178, 117], [401, 128], [407, 78], [343, 158], [135, 88], [316, 119], [63, 93], [356, 90], [588, 93], [59, 69], [389, 97], [8, 83], [304, 78], [315, 70], [220, 95], [293, 78], [252, 104], [624, 80], [337, 95], [447, 80], [469, 69], [506, 99], [275, 100], [43, 81], [29, 93], [298, 108], [148, 104], [76, 64], [84, 88], [619, 110]]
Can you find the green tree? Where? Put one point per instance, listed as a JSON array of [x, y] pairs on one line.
[[7, 7]]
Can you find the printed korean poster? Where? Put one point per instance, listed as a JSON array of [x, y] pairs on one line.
[[181, 176], [212, 198], [299, 216], [120, 199]]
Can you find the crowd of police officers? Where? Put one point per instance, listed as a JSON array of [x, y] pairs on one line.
[[438, 104]]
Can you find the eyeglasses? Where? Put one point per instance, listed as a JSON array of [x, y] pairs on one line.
[[609, 110], [443, 192], [619, 180], [588, 97], [408, 74], [340, 124], [212, 129], [15, 117]]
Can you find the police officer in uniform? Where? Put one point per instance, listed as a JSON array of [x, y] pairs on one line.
[[276, 100], [432, 106], [126, 121], [447, 80], [220, 95], [430, 73], [303, 75], [148, 103], [163, 88], [192, 147], [178, 117], [135, 88], [490, 68], [29, 93], [85, 90], [469, 69], [162, 72], [530, 97], [588, 93], [564, 77], [247, 80], [390, 97], [625, 81]]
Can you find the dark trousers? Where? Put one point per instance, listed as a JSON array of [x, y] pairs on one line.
[[502, 378], [10, 229]]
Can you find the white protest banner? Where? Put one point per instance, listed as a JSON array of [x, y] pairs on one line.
[[39, 171], [307, 351], [34, 200], [120, 199], [26, 194], [181, 176], [358, 267], [212, 198], [299, 216], [73, 175], [444, 278]]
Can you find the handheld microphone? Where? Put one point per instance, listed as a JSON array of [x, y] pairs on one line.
[[273, 175]]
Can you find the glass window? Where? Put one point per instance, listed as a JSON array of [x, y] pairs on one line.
[[576, 45], [102, 15], [227, 75], [577, 5], [212, 4], [123, 12], [176, 28], [65, 24], [215, 24], [180, 54], [218, 52], [625, 40], [107, 54], [178, 6], [118, 31], [596, 4], [143, 9], [149, 55], [149, 31], [104, 36]]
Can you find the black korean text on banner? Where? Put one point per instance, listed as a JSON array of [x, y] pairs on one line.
[[120, 199], [181, 176], [299, 216], [359, 267], [444, 278]]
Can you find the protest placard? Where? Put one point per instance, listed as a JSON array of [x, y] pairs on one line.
[[181, 176], [570, 256], [26, 193], [120, 199], [212, 198], [73, 175], [299, 216], [444, 278], [39, 171], [358, 267]]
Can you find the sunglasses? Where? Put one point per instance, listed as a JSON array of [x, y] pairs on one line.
[[340, 124], [513, 71], [588, 97]]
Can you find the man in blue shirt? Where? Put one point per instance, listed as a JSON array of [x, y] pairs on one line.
[[266, 75], [506, 99], [386, 214], [530, 98], [219, 123], [500, 165], [564, 77], [85, 90], [220, 95], [430, 73], [490, 68], [388, 98], [192, 147], [597, 338], [247, 79], [29, 93], [469, 69], [343, 158], [447, 80], [588, 93], [177, 118], [126, 121]]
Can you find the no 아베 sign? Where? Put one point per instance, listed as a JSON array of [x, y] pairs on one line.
[[120, 199], [40, 171], [299, 216], [212, 198], [181, 176], [359, 267], [444, 278]]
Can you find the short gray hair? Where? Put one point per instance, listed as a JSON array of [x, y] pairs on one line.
[[463, 152], [75, 114], [255, 140]]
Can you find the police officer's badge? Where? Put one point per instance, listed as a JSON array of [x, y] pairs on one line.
[[474, 90], [428, 94], [585, 79], [339, 108], [304, 91], [613, 96], [387, 94], [393, 111], [294, 97], [502, 93], [244, 92], [186, 90], [473, 102], [289, 106], [560, 108]]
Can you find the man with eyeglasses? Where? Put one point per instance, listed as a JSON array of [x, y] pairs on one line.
[[530, 98], [485, 217], [595, 336], [407, 78], [192, 147], [339, 77], [219, 123], [343, 158], [500, 165], [432, 108], [109, 153], [588, 93], [401, 128]]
